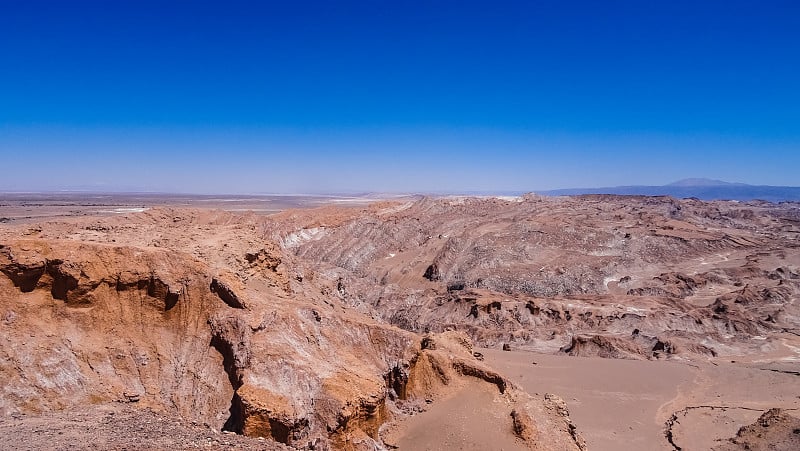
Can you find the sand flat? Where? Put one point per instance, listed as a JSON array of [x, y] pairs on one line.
[[625, 404], [465, 420], [614, 403]]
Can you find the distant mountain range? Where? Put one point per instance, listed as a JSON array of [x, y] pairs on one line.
[[705, 189]]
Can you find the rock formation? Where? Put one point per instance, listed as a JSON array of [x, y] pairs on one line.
[[229, 341], [774, 430], [325, 328], [693, 278]]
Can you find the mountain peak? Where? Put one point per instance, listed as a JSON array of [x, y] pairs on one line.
[[703, 182]]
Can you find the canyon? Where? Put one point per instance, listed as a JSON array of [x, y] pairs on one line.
[[531, 322]]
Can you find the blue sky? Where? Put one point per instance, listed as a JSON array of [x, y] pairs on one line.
[[248, 97]]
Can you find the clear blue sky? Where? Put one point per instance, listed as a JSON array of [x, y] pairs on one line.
[[297, 96]]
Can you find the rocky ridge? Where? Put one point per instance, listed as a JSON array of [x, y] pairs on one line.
[[631, 277], [324, 328], [109, 313]]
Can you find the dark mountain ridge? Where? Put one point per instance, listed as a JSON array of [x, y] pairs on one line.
[[705, 189]]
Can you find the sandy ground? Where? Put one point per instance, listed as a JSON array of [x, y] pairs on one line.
[[614, 403], [465, 421], [625, 404]]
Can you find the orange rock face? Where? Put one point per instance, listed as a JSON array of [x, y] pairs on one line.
[[216, 324]]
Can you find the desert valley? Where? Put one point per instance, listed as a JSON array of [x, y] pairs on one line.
[[589, 322], [374, 226]]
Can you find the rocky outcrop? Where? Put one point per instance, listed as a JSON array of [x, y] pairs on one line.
[[524, 426], [534, 273], [775, 429], [98, 323], [104, 323], [226, 293], [25, 275], [636, 347], [262, 413], [556, 404], [602, 346]]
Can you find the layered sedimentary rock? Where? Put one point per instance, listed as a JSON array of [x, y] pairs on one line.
[[228, 341], [645, 277], [327, 327]]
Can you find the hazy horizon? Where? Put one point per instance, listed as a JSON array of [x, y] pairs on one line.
[[246, 98]]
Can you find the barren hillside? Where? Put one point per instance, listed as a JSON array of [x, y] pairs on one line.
[[360, 327], [629, 277]]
